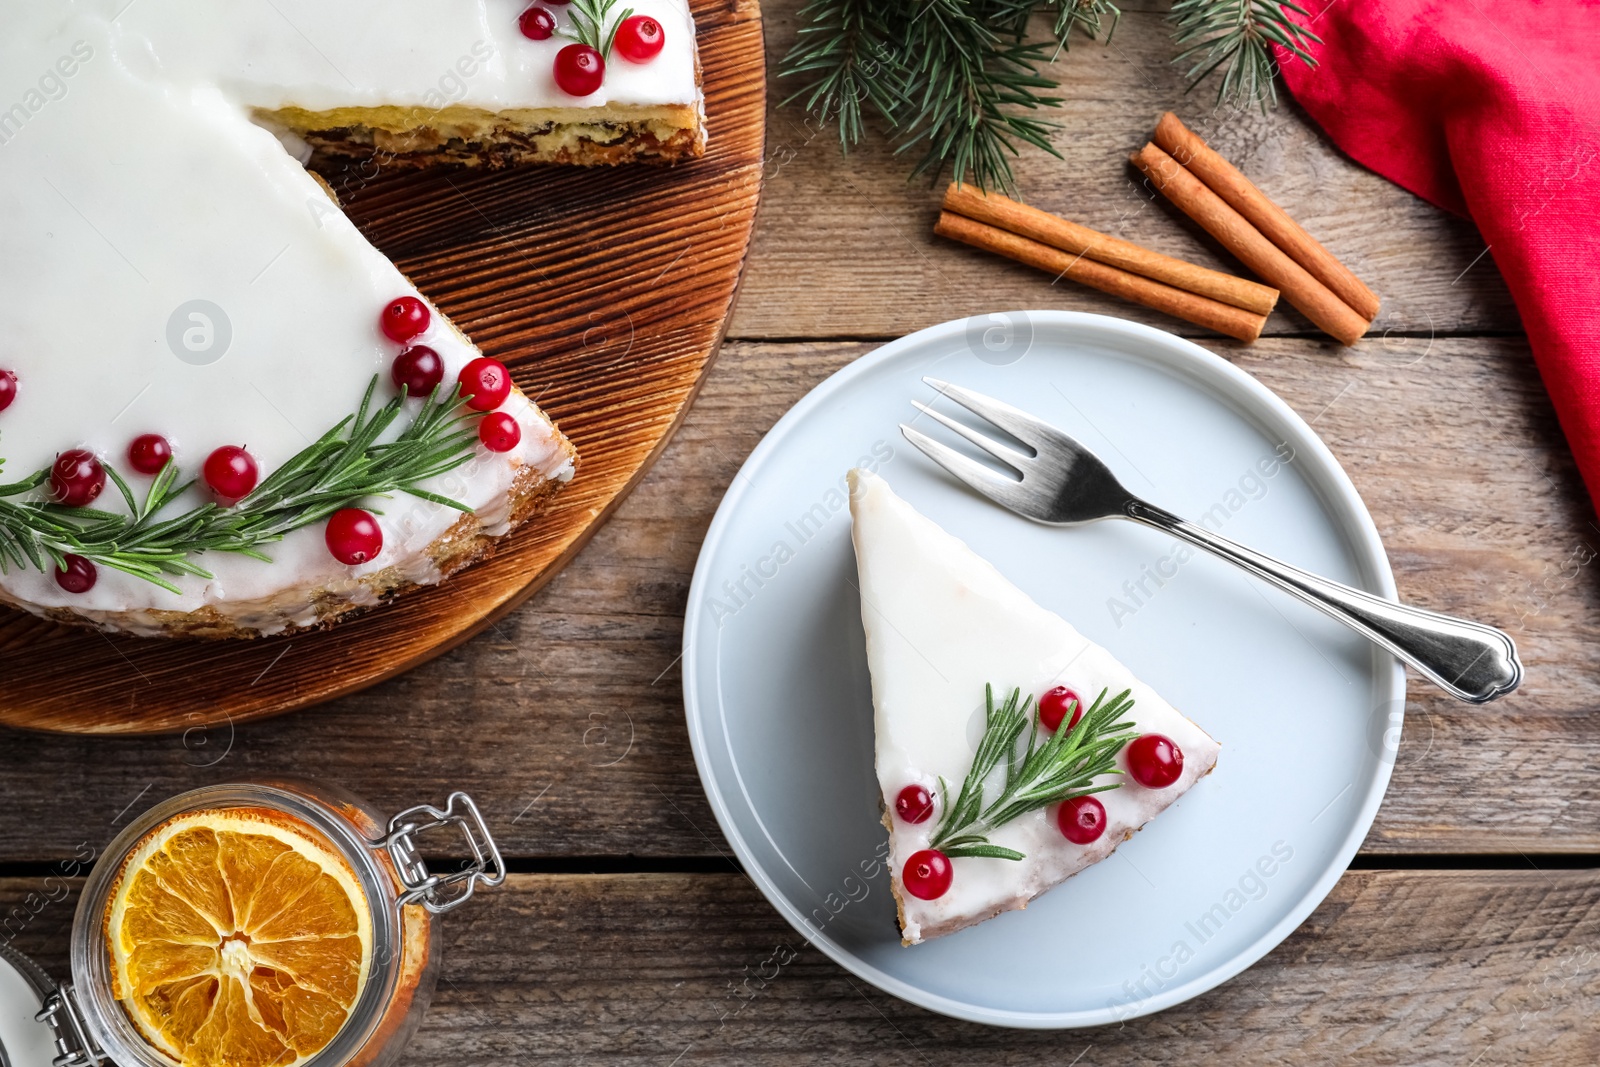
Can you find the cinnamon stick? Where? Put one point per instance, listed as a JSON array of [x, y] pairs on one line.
[[1195, 199], [1183, 145], [1200, 310], [1037, 225]]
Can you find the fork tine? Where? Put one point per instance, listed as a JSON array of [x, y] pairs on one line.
[[1009, 456], [996, 487], [1018, 424]]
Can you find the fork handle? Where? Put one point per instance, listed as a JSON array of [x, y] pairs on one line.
[[1474, 662]]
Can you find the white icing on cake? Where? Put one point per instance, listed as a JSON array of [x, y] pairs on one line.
[[941, 623], [133, 184], [326, 54]]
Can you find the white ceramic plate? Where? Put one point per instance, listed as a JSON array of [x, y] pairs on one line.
[[779, 701]]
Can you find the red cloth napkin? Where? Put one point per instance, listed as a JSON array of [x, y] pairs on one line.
[[1490, 109]]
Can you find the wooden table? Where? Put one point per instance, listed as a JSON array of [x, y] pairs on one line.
[[1469, 930]]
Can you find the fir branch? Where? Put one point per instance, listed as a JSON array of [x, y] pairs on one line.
[[348, 463], [975, 82], [1237, 37], [957, 80], [847, 50], [964, 82], [593, 25], [1063, 767]]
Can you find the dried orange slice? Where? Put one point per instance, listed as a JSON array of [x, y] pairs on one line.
[[238, 937]]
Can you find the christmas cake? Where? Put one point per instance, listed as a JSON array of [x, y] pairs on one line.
[[1012, 752], [223, 413]]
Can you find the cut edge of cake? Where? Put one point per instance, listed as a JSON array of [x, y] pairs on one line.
[[464, 135], [470, 136]]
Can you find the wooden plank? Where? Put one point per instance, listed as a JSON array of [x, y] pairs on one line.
[[1454, 448], [844, 248], [565, 719], [1395, 967]]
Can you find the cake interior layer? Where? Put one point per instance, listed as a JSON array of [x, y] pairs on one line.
[[613, 134]]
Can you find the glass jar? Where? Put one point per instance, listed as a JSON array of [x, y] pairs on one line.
[[89, 1025]]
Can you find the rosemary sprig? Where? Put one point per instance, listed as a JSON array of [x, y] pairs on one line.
[[346, 464], [593, 25], [1065, 766]]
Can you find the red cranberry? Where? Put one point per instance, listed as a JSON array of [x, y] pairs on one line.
[[499, 432], [1154, 761], [1053, 708], [418, 370], [485, 383], [639, 39], [404, 319], [579, 70], [149, 453], [354, 536], [914, 804], [927, 874], [8, 388], [1082, 819], [231, 472], [77, 478], [537, 24], [78, 576]]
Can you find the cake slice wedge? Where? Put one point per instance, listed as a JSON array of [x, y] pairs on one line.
[[943, 628]]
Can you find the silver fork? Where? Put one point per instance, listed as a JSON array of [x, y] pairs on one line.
[[1063, 483]]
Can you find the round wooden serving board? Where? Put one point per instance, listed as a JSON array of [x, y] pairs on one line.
[[606, 291]]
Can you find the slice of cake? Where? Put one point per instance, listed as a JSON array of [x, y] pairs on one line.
[[987, 801]]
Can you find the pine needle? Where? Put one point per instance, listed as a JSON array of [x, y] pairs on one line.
[[1236, 37]]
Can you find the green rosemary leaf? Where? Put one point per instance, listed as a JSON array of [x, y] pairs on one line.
[[993, 852], [423, 494], [27, 485], [593, 25], [611, 37], [138, 570], [122, 487], [963, 840]]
